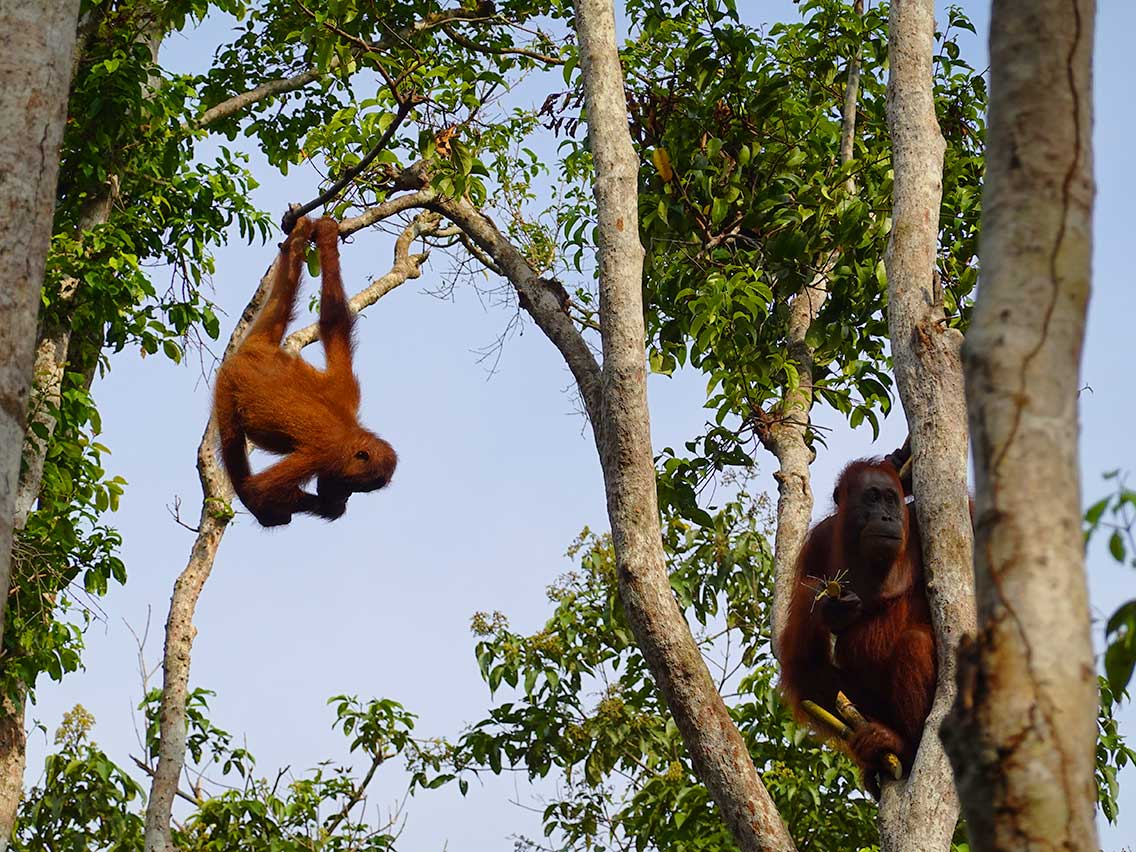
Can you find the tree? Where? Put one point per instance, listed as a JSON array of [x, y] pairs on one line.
[[575, 700], [37, 70], [86, 802], [216, 514], [623, 437], [1021, 732], [36, 66], [128, 195], [921, 814], [741, 184]]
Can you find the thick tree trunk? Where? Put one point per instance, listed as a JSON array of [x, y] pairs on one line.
[[1022, 732], [717, 750], [13, 745], [35, 65], [920, 814]]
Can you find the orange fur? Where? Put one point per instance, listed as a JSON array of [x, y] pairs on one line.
[[884, 658], [284, 405]]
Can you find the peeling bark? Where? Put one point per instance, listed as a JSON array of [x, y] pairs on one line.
[[717, 750], [921, 813], [216, 513], [1022, 731]]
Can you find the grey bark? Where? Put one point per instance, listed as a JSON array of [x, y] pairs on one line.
[[1022, 732], [216, 513], [717, 750], [52, 356], [787, 429], [921, 813], [35, 64]]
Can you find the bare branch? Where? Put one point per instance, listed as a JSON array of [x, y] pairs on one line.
[[542, 304], [470, 44]]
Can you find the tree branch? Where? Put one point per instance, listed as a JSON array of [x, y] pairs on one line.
[[405, 105], [785, 430], [717, 750], [333, 822], [919, 815], [542, 304], [216, 513], [470, 44], [273, 88]]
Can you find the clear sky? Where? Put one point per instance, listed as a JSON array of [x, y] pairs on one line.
[[497, 475]]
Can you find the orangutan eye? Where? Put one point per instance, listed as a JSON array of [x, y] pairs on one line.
[[363, 455]]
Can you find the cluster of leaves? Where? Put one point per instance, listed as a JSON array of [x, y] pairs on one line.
[[65, 537], [1116, 515], [417, 50], [87, 802], [743, 201], [1113, 752], [583, 705], [84, 801]]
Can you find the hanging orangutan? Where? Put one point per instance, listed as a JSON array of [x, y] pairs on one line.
[[284, 405]]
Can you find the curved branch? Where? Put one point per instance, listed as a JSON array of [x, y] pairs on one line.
[[470, 44], [406, 266], [545, 307]]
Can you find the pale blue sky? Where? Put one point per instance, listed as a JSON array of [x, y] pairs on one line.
[[496, 477]]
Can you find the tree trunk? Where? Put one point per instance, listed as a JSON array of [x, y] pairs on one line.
[[717, 750], [921, 813], [13, 744], [1022, 732], [35, 65]]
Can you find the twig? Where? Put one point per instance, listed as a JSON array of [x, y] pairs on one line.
[[289, 220], [179, 792], [470, 44], [333, 822]]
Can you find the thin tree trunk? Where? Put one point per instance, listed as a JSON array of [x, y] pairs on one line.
[[216, 513], [785, 435], [35, 65], [920, 815], [1022, 732], [717, 750]]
